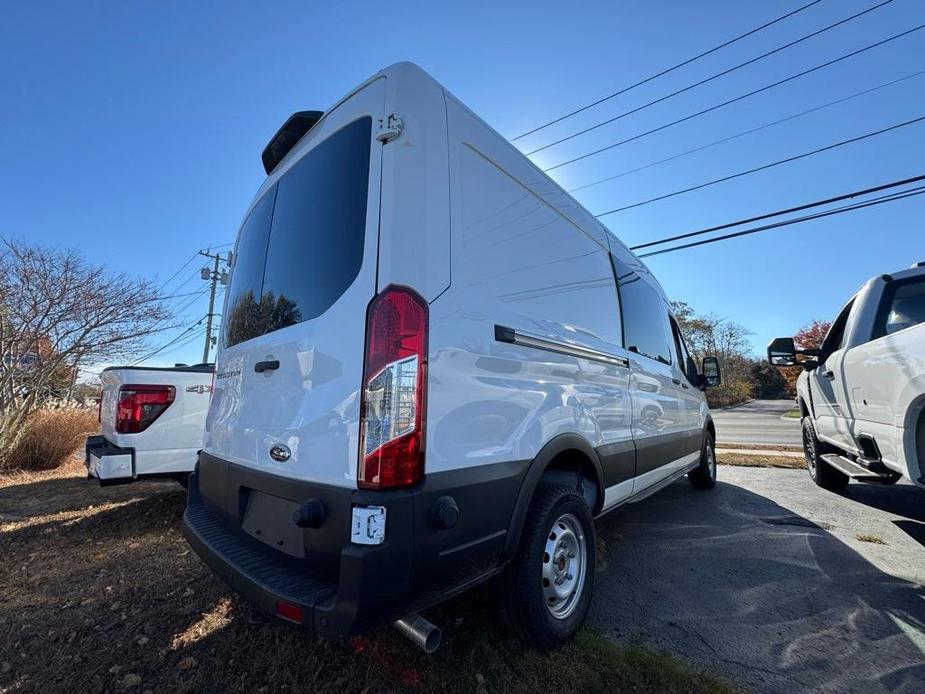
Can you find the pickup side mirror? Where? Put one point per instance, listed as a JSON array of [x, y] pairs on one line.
[[711, 375], [782, 352]]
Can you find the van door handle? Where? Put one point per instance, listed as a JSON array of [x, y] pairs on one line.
[[262, 366], [676, 381], [829, 374], [684, 385]]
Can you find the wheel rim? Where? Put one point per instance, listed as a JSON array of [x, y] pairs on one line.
[[809, 451], [711, 462], [565, 560]]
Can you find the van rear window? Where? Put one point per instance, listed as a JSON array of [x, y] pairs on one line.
[[302, 245]]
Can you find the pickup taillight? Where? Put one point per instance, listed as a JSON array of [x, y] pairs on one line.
[[392, 399], [140, 405]]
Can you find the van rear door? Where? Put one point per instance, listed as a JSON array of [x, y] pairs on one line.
[[290, 363]]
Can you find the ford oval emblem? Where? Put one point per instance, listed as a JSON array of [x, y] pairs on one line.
[[280, 453]]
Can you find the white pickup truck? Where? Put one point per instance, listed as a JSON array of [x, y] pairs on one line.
[[152, 420], [862, 394]]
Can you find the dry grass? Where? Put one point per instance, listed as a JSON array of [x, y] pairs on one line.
[[873, 539], [770, 460], [761, 446], [99, 592], [50, 437]]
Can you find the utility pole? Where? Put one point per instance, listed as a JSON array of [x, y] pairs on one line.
[[214, 276]]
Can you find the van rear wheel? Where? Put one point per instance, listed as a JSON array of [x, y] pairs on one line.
[[546, 590]]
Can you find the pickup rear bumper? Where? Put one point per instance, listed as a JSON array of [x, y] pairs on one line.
[[107, 462]]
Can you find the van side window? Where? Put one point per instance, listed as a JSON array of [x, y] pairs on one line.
[[685, 363], [903, 306], [644, 313]]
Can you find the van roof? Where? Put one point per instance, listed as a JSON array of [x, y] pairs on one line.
[[406, 73], [410, 72]]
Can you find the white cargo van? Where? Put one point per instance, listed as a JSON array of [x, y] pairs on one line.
[[436, 367]]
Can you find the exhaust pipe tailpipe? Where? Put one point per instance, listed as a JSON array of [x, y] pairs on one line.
[[420, 632]]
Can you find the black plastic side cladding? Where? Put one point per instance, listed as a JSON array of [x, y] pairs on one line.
[[557, 445]]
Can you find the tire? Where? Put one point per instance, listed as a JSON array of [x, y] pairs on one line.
[[704, 475], [820, 471], [557, 544]]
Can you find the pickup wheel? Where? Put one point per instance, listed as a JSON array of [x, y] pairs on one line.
[[545, 592], [820, 471], [704, 475]]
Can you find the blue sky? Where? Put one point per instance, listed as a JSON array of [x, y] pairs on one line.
[[133, 130]]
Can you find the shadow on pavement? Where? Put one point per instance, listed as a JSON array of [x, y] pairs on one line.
[[900, 500], [741, 585]]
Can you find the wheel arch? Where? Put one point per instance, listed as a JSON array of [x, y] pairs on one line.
[[914, 444], [562, 455], [710, 428]]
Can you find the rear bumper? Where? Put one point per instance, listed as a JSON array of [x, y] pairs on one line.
[[107, 462], [343, 588]]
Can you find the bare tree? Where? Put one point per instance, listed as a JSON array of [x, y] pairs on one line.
[[58, 313]]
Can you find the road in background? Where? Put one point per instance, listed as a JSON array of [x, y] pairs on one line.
[[758, 421]]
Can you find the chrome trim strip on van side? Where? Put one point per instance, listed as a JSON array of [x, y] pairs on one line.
[[513, 337]]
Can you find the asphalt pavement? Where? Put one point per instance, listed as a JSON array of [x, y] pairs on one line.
[[757, 421], [763, 580]]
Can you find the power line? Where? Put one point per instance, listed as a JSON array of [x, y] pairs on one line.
[[738, 98], [177, 296], [789, 210], [182, 268], [196, 273], [192, 338], [739, 174], [818, 215], [710, 78], [666, 71], [747, 132], [169, 342], [190, 302]]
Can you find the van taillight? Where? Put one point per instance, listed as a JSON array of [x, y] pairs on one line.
[[392, 403], [140, 405]]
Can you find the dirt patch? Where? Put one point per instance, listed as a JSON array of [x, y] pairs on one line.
[[770, 460], [100, 592]]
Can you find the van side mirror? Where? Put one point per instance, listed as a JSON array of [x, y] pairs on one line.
[[782, 352], [711, 375]]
